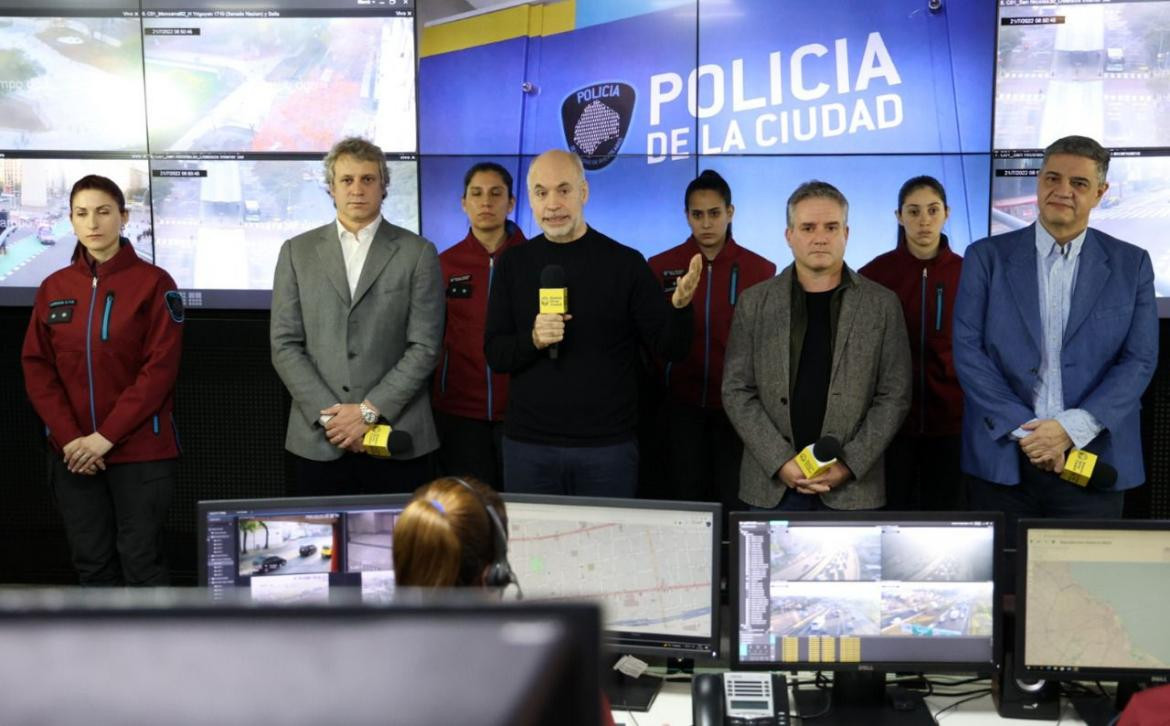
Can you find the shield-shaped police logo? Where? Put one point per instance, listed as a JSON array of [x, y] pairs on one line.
[[596, 119]]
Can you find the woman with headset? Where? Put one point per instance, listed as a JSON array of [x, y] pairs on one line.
[[454, 533]]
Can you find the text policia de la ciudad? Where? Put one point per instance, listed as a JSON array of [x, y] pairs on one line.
[[774, 125]]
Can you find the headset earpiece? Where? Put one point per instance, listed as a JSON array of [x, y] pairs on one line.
[[499, 573]]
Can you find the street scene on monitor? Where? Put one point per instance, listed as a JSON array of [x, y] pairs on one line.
[[826, 553], [279, 85], [220, 224], [877, 592], [36, 236], [1098, 70], [294, 544], [1136, 207], [58, 78]]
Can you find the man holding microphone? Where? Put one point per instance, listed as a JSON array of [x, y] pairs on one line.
[[1056, 338], [572, 408]]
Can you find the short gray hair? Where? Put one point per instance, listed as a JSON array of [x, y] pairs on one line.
[[362, 150], [816, 189], [578, 165], [1081, 146]]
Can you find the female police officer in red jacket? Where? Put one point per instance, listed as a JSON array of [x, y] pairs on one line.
[[100, 360], [922, 464]]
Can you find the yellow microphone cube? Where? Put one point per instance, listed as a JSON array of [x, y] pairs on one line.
[[554, 300], [1078, 467], [376, 441], [810, 466]]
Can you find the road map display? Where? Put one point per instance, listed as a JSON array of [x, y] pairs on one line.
[[1097, 599], [651, 570]]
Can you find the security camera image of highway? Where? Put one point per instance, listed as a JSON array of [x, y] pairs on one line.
[[936, 610], [937, 554], [833, 609], [825, 553]]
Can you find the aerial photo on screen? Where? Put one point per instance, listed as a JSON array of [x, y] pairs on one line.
[[291, 84], [825, 553], [1095, 69], [817, 608], [71, 84], [220, 224], [936, 609], [937, 554]]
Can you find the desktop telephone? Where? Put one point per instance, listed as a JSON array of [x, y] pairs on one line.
[[740, 699]]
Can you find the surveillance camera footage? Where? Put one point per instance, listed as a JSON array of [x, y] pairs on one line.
[[819, 591]]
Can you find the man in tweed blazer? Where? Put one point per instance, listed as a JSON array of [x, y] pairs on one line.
[[816, 351], [357, 319]]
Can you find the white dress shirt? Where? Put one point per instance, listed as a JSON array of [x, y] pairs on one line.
[[354, 249]]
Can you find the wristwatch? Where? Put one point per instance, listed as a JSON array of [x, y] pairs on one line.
[[369, 415]]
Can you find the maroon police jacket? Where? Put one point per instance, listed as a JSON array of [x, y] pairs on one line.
[[464, 384], [102, 354], [698, 379], [927, 291]]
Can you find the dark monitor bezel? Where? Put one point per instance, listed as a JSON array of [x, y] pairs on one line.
[[339, 503], [668, 645], [576, 681], [1072, 673], [735, 583]]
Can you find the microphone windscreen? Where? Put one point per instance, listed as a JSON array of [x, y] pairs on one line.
[[552, 276], [827, 448], [1104, 476], [399, 441]]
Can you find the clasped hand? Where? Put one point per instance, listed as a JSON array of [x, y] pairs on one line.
[[86, 454], [1046, 445], [347, 428], [794, 478]]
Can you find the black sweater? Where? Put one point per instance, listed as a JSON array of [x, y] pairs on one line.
[[588, 397]]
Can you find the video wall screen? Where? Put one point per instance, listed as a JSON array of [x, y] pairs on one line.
[[213, 116], [1098, 69], [769, 95]]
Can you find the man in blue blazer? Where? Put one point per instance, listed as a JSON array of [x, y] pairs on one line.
[[1056, 338]]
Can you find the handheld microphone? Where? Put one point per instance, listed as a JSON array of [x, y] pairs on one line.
[[554, 297], [1084, 469], [815, 459], [385, 443]]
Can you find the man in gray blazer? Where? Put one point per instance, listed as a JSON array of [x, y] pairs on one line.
[[357, 320], [816, 351]]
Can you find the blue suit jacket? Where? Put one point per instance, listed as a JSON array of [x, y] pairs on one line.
[[1108, 355]]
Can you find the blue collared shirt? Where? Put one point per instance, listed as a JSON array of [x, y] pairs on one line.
[[1056, 273]]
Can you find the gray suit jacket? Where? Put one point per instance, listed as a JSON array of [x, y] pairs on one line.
[[869, 388], [382, 345]]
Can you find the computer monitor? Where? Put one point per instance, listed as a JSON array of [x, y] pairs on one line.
[[863, 593], [180, 663], [652, 565], [1090, 600], [298, 550]]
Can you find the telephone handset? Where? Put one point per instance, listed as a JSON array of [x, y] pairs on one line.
[[740, 699]]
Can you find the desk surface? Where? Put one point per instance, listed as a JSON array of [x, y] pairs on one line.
[[673, 708]]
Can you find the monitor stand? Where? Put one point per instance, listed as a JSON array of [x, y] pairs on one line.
[[629, 694], [863, 699], [1100, 710]]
